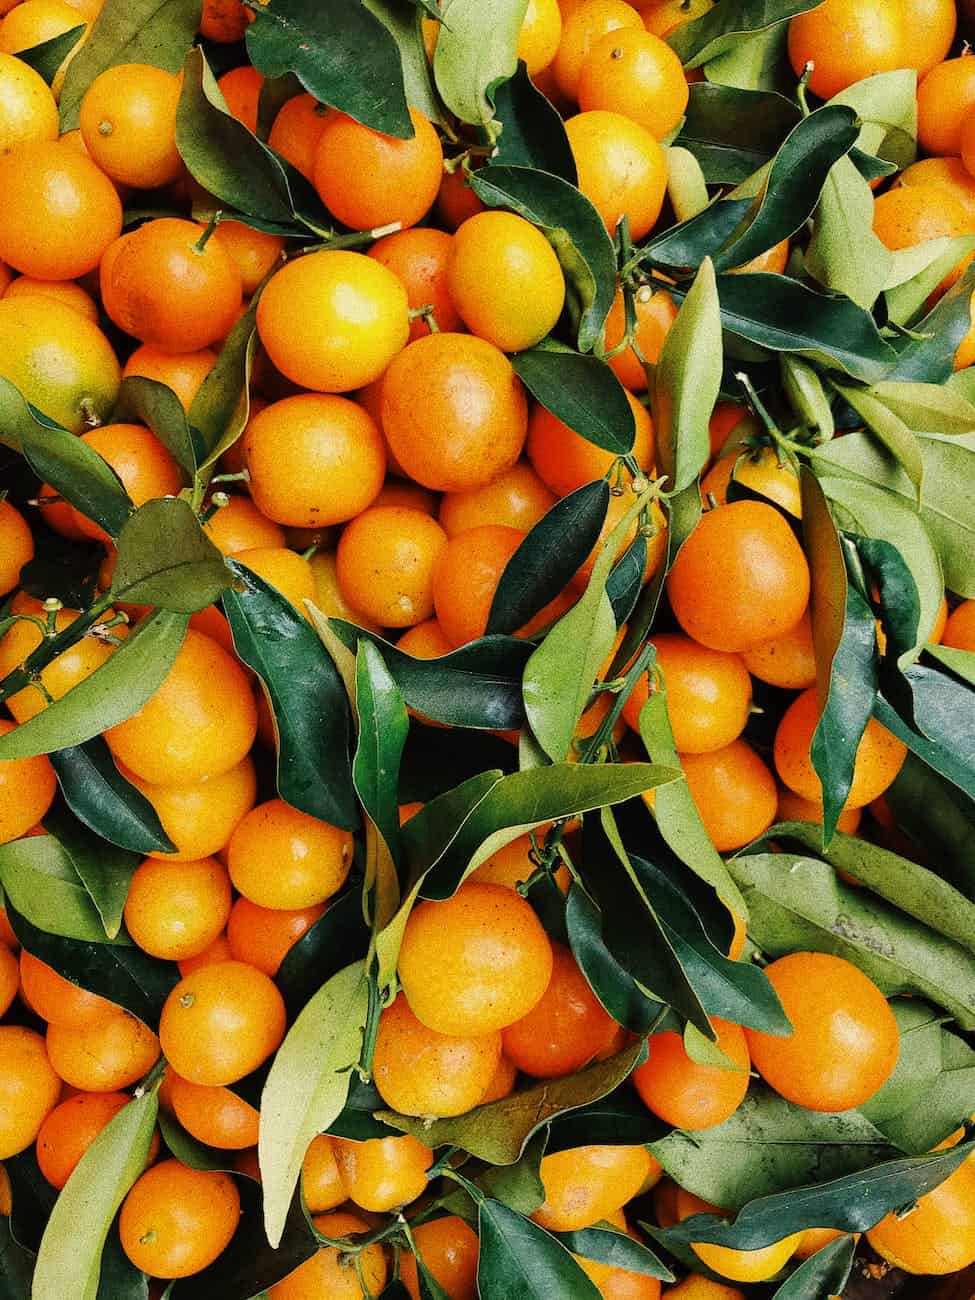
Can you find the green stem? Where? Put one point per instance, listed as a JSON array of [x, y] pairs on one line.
[[50, 648], [212, 224], [603, 732], [370, 1031]]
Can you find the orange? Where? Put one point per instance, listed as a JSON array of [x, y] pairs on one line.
[[9, 978], [844, 1041], [515, 499], [655, 313], [930, 27], [386, 560], [36, 21], [762, 470], [740, 579], [332, 1274], [71, 1128], [638, 75], [224, 21], [282, 858], [587, 1184], [57, 513], [321, 1184], [410, 496], [176, 909], [622, 169], [140, 460], [960, 628], [943, 99], [161, 286], [421, 1072], [240, 526], [16, 546], [103, 1055], [655, 536], [814, 1239], [949, 173], [453, 412], [581, 29], [425, 641], [505, 280], [218, 951], [476, 962], [263, 936], [502, 1082], [296, 131], [773, 261], [788, 661], [253, 252], [564, 460], [665, 16], [58, 1000], [221, 1022], [689, 1095], [333, 320], [176, 1220], [199, 723], [64, 291], [915, 214], [328, 593], [879, 757], [60, 213], [448, 1247], [539, 35], [215, 1116], [29, 1088], [725, 418], [383, 1174], [27, 108], [564, 1030], [846, 41], [419, 259], [734, 792], [241, 88], [965, 355], [456, 201], [615, 1283], [709, 694], [287, 572], [128, 123], [367, 179], [938, 1235], [314, 460], [182, 372]]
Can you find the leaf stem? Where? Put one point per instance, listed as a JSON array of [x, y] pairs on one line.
[[50, 648]]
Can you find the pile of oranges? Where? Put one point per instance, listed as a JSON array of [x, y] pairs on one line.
[[382, 460]]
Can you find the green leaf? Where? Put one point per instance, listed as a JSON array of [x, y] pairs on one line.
[[572, 226], [118, 971], [221, 407], [166, 559], [103, 869], [934, 812], [733, 132], [47, 57], [307, 1086], [521, 1261], [686, 383], [896, 436], [618, 992], [532, 134], [960, 662], [824, 1274], [768, 1145], [943, 710], [916, 272], [844, 254], [625, 581], [582, 391], [928, 408], [79, 474], [404, 23], [147, 401], [756, 62], [500, 1131], [306, 696], [721, 28], [930, 355], [796, 903], [99, 796], [620, 1118], [548, 557], [687, 245], [476, 50], [40, 880], [18, 419], [109, 696], [69, 1259], [795, 180], [158, 32], [341, 53], [519, 1186], [941, 759], [16, 1264], [886, 104], [337, 939], [617, 1249]]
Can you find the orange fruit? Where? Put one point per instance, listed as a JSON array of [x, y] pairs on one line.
[[29, 1088], [328, 593], [448, 1247], [793, 808], [334, 320], [622, 169], [960, 628], [930, 27], [386, 560], [58, 1000], [879, 757], [564, 460], [539, 35], [224, 21], [788, 661], [215, 1116], [733, 791], [587, 1184], [453, 412], [515, 499], [176, 1220], [329, 1272], [9, 978], [16, 546], [296, 131], [65, 291], [814, 1239], [846, 41], [175, 910], [383, 1174], [321, 1183], [938, 1235], [27, 108], [253, 252], [943, 99], [281, 858], [665, 16], [581, 29], [241, 88], [844, 1041], [655, 313], [512, 864], [287, 572], [218, 951], [103, 1055], [128, 123], [263, 936], [221, 1022], [687, 1094], [240, 526], [505, 280], [71, 1128], [762, 470], [419, 259], [914, 214], [145, 467], [948, 173], [740, 579], [634, 73], [456, 201], [183, 372]]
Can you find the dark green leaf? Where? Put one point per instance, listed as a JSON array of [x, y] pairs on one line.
[[357, 1118], [341, 53], [616, 1249], [16, 1265], [686, 245], [721, 28], [103, 869], [519, 1186], [476, 50], [109, 696], [937, 756], [944, 712], [33, 1197], [158, 32], [573, 227], [403, 20], [166, 559], [532, 134], [583, 392], [105, 801], [732, 132], [81, 476], [221, 407], [896, 601], [619, 1118], [548, 557], [335, 940], [119, 1279], [929, 357], [521, 1261], [625, 581], [306, 695], [614, 986], [147, 401], [823, 1275], [935, 814], [47, 57]]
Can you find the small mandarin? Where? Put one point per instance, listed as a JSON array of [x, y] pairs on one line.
[[586, 1184], [279, 857], [176, 1220], [263, 936], [104, 1055], [449, 1248], [175, 910], [330, 1273], [29, 1088], [385, 563], [690, 1095]]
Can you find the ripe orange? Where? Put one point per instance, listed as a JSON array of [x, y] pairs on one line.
[[71, 1128], [128, 123], [221, 1022], [448, 1247], [879, 757], [27, 108], [218, 951], [183, 372], [762, 470], [281, 858], [664, 16], [333, 321], [453, 412], [960, 627], [29, 1088], [36, 21], [634, 73], [176, 1220], [263, 936], [215, 1116], [241, 88], [515, 499], [943, 99], [948, 173], [62, 673], [16, 546], [844, 1041], [740, 579], [847, 40], [456, 201], [734, 792], [103, 1055], [788, 661], [419, 258], [9, 978], [386, 560], [224, 21], [581, 29], [67, 292], [622, 169], [539, 35], [938, 1235], [328, 593], [587, 1184], [286, 571], [564, 460], [914, 214], [253, 252], [655, 313], [689, 1095], [240, 526], [146, 468], [321, 1184], [175, 910], [58, 1000], [296, 131], [329, 1272], [793, 808], [930, 29], [383, 1174]]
